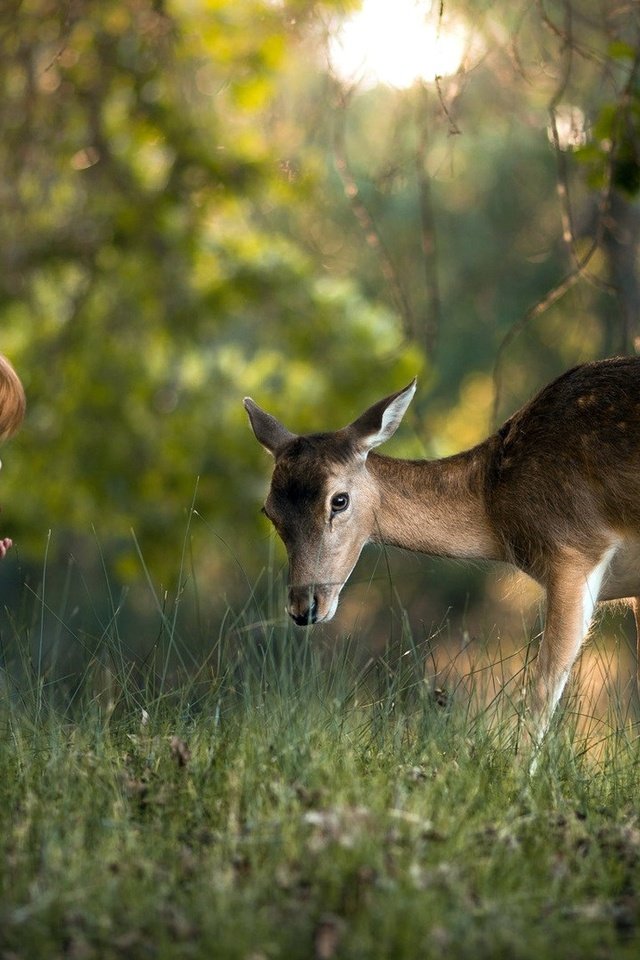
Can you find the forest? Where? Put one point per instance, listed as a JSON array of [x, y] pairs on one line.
[[208, 199], [308, 202]]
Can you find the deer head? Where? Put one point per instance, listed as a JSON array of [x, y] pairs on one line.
[[323, 500]]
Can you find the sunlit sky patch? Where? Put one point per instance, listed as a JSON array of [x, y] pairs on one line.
[[396, 42]]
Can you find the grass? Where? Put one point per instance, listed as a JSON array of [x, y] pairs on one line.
[[278, 798]]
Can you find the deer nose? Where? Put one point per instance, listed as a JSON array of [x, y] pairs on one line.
[[303, 606]]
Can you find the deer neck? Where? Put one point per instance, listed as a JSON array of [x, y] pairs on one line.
[[435, 506]]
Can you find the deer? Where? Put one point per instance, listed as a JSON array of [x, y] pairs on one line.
[[12, 410], [555, 492]]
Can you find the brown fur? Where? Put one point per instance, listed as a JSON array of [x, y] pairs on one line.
[[564, 472], [12, 400], [555, 491], [12, 407]]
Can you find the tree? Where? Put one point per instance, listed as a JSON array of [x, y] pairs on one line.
[[142, 294], [196, 209]]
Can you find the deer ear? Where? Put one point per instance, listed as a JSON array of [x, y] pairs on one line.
[[269, 431], [381, 421]]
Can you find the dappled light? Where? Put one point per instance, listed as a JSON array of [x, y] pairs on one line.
[[570, 127]]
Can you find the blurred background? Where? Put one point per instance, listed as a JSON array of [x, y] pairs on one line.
[[309, 203]]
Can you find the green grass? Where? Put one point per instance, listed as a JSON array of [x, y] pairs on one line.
[[279, 798]]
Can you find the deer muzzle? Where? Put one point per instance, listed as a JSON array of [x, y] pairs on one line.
[[312, 604]]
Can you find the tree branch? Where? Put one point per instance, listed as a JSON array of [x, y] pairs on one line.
[[433, 307], [365, 220], [579, 268]]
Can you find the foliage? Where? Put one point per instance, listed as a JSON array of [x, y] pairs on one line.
[[195, 209], [142, 296]]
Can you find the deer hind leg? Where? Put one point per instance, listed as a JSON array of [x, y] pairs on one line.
[[572, 594]]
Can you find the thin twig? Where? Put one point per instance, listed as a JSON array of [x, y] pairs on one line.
[[433, 307], [579, 268], [562, 184], [364, 218], [454, 129], [542, 305], [566, 36]]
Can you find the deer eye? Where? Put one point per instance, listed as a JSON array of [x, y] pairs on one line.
[[339, 502]]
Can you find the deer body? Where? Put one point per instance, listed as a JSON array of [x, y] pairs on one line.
[[555, 492]]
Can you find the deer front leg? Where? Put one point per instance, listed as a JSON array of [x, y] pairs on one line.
[[572, 594]]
